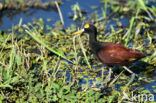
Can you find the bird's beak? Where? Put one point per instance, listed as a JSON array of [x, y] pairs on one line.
[[79, 32]]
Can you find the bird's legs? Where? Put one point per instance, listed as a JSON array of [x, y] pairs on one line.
[[108, 77], [132, 75]]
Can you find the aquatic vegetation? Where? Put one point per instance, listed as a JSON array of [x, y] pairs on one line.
[[25, 5], [39, 63]]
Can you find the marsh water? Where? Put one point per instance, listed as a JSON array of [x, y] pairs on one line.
[[9, 18]]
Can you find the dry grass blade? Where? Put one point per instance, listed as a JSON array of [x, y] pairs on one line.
[[60, 13]]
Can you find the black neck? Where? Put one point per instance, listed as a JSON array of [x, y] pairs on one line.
[[92, 37], [94, 44]]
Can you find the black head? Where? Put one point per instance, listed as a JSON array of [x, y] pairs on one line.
[[90, 29]]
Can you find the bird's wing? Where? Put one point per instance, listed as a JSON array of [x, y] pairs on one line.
[[114, 53]]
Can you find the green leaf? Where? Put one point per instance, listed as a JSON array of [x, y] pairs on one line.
[[70, 96], [18, 60], [55, 98], [6, 86], [12, 56], [111, 98], [54, 85], [66, 89], [142, 5]]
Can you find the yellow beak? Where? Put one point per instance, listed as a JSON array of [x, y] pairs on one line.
[[79, 32]]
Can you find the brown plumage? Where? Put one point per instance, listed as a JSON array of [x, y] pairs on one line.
[[116, 54]]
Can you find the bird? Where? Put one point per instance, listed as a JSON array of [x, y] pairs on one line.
[[111, 54]]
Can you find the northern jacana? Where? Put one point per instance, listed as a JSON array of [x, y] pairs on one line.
[[109, 53]]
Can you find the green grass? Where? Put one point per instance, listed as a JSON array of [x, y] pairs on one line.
[[36, 66]]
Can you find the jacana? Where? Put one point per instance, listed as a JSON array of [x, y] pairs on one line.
[[111, 54]]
